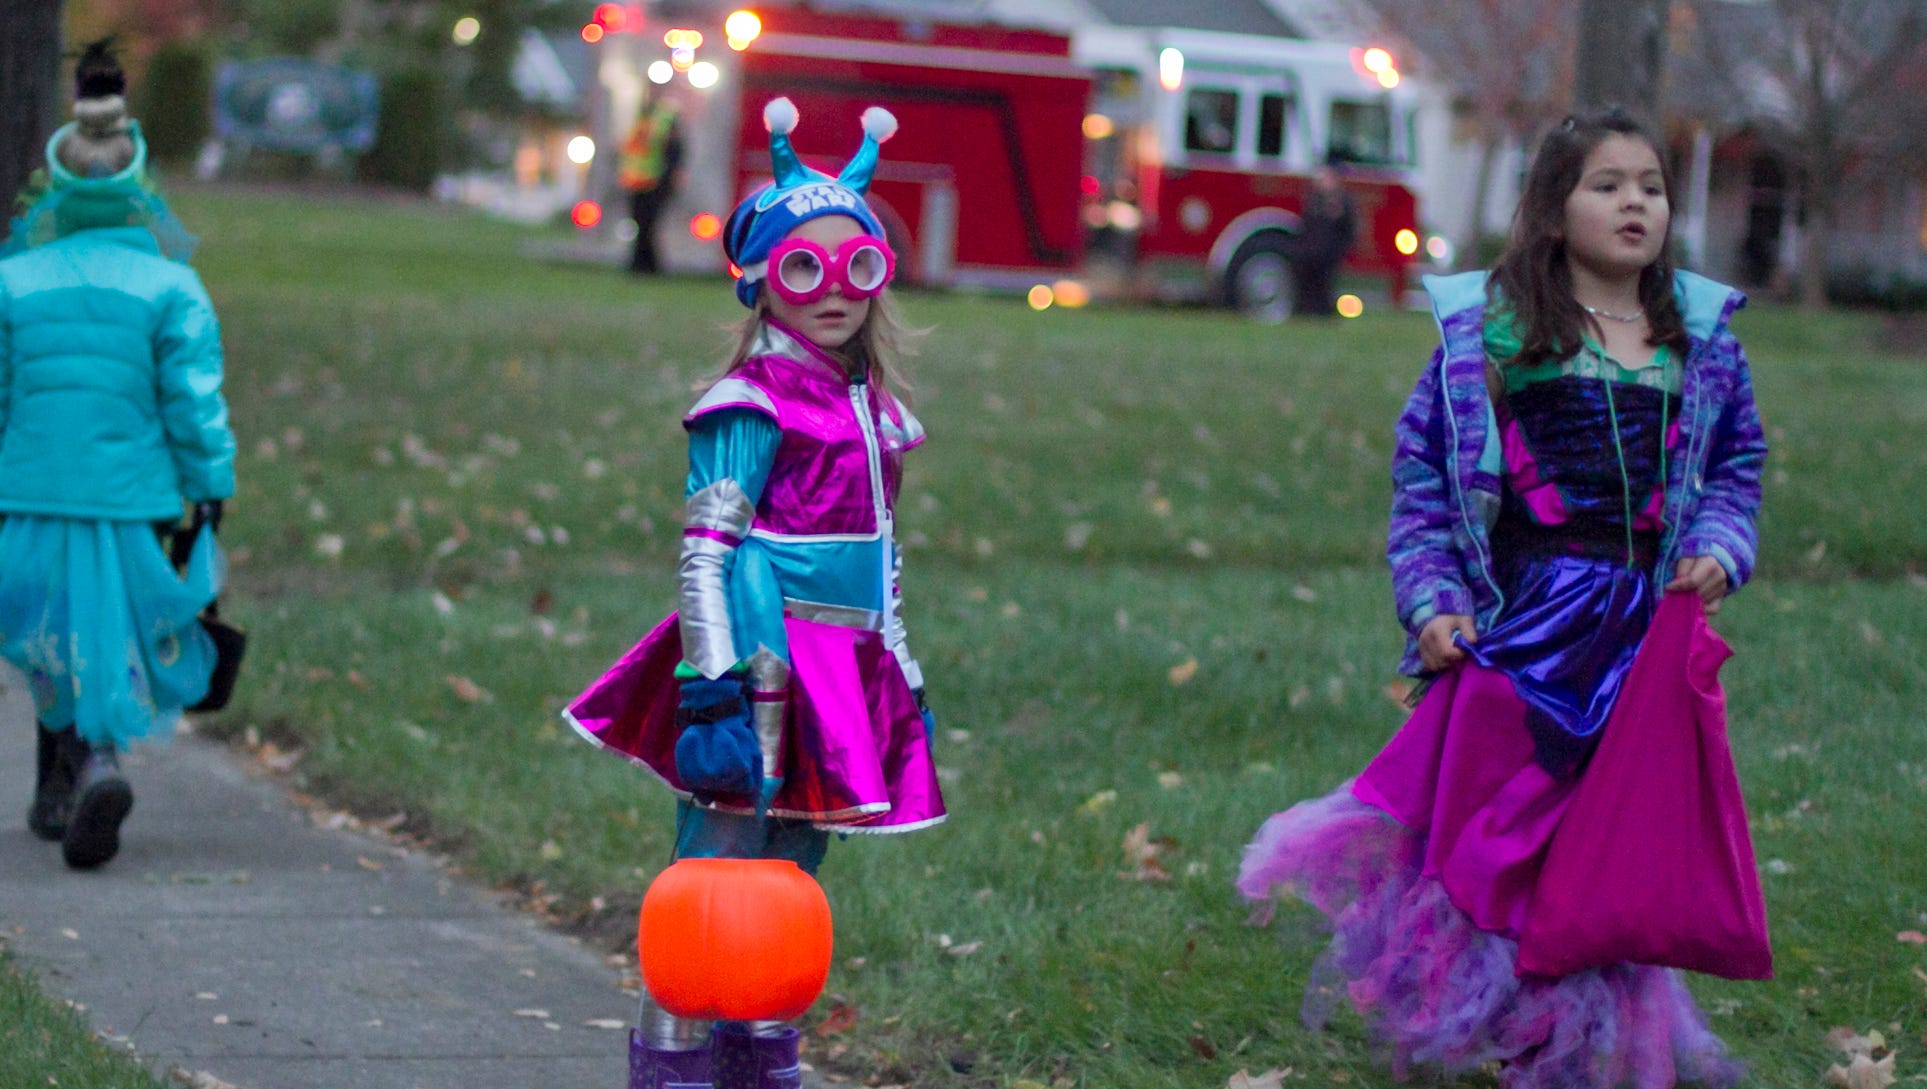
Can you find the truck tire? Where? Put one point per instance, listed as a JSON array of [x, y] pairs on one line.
[[1259, 282]]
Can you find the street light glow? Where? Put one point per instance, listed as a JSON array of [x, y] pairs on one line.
[[467, 29], [703, 75], [581, 150], [660, 72]]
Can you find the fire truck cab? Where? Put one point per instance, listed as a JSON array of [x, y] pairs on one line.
[[1200, 149], [1149, 162]]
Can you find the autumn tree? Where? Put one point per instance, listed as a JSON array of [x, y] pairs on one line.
[[1837, 87], [1508, 64]]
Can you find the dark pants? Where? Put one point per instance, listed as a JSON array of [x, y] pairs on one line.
[[1313, 295], [645, 206]]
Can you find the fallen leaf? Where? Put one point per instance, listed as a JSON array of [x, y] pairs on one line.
[[842, 1017], [274, 759], [466, 690], [1911, 937], [1398, 691], [1184, 671], [367, 863], [1098, 802], [201, 1079], [1851, 1042], [541, 1015], [605, 1023], [965, 949], [1142, 853], [1205, 1048], [1270, 1079], [1863, 1073]]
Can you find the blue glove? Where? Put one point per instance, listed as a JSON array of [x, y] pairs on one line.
[[717, 752], [929, 716]]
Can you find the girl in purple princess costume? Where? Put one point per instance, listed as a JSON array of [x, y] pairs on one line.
[[1583, 443], [780, 702]]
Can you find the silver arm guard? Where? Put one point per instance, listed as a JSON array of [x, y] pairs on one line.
[[716, 521], [894, 635]]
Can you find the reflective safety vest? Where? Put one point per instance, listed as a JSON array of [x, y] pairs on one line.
[[640, 164]]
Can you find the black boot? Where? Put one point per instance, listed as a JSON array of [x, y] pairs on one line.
[[102, 799], [53, 786]]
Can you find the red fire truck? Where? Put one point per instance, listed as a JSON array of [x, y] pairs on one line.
[[1158, 161]]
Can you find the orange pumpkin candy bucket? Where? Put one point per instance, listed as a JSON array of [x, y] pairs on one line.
[[730, 939]]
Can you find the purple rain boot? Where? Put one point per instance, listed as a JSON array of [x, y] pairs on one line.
[[53, 786], [746, 1061], [102, 798], [656, 1068]]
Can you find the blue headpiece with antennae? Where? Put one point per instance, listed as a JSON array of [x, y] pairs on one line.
[[799, 194]]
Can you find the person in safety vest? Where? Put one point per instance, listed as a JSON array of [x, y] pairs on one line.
[[648, 171]]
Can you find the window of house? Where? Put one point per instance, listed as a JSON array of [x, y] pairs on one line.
[[1211, 121]]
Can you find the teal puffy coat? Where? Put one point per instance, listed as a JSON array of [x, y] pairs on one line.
[[110, 382]]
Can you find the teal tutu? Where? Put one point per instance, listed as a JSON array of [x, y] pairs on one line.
[[102, 625]]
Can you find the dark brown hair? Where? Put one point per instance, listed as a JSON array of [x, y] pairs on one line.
[[1533, 280]]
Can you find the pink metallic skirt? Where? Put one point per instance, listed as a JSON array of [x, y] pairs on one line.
[[856, 757]]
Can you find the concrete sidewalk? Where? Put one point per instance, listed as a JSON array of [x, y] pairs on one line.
[[233, 937]]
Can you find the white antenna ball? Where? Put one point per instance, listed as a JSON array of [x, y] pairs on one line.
[[880, 124], [780, 115]]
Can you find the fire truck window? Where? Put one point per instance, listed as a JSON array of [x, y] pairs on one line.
[[1211, 121], [1361, 132], [1274, 113]]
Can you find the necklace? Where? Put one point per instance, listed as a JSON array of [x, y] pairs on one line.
[[1610, 316]]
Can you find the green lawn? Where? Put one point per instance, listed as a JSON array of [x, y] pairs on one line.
[[1146, 584], [43, 1042]]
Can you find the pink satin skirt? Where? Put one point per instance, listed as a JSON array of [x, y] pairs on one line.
[[856, 757]]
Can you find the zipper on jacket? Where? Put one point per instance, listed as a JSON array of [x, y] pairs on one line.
[[873, 454], [1458, 489]]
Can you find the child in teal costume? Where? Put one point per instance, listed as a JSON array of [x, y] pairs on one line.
[[111, 416]]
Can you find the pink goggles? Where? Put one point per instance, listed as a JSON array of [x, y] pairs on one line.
[[801, 272]]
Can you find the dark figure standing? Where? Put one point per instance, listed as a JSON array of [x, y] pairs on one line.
[[651, 156], [1330, 223]]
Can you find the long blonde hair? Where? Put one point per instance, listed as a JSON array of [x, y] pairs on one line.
[[881, 342]]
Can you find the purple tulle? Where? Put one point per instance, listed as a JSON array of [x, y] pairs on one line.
[[1438, 992]]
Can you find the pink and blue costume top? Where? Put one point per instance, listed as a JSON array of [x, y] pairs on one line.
[[811, 457]]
